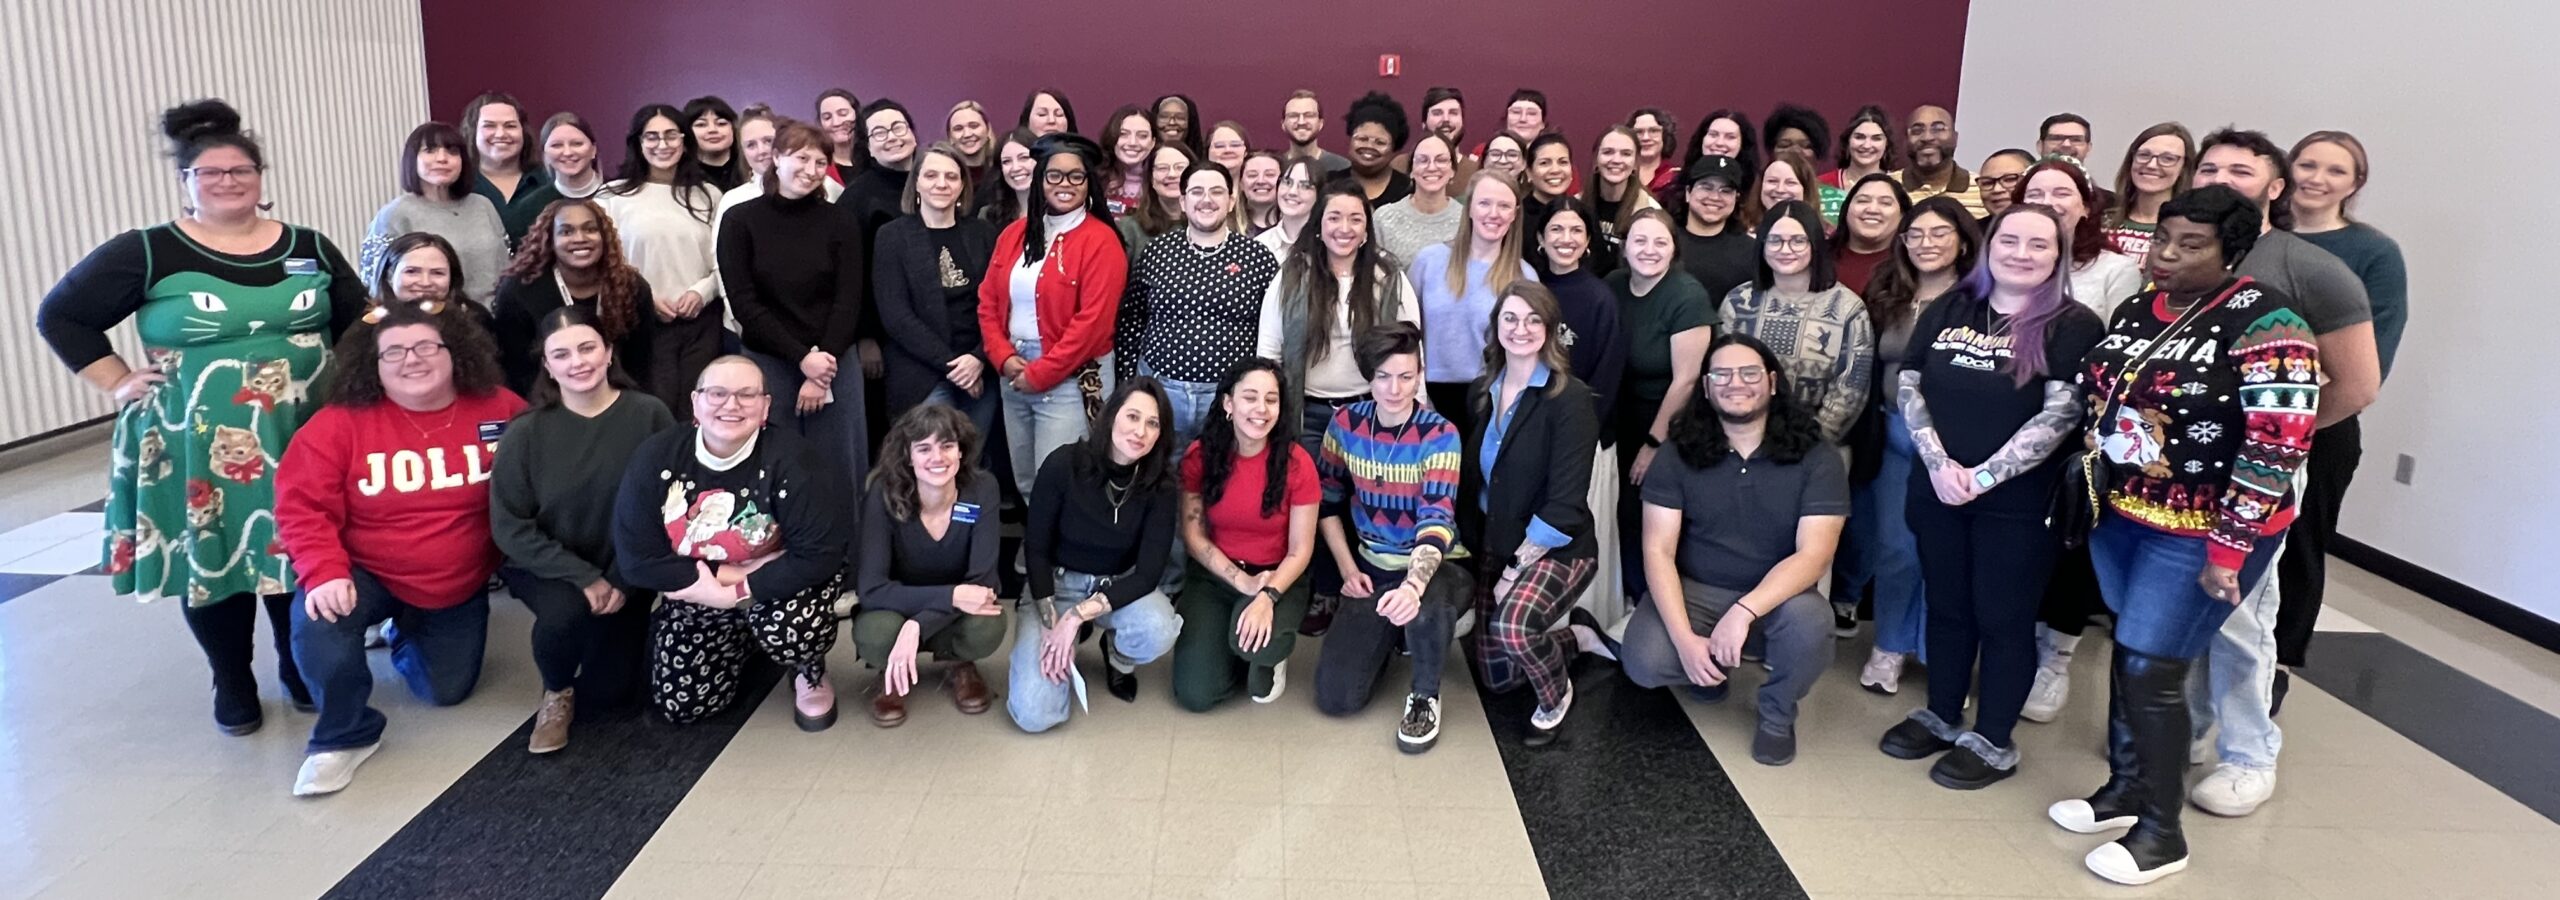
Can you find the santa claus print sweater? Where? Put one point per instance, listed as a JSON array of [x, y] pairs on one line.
[[402, 495], [2205, 436], [680, 505]]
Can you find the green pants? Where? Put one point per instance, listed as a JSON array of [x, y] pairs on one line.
[[962, 639], [1208, 667]]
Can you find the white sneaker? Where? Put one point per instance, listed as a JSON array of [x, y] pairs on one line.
[[331, 771], [2113, 862], [1279, 683], [2052, 688], [1544, 719], [1883, 672], [2233, 791]]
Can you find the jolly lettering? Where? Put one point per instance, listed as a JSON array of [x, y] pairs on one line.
[[410, 471]]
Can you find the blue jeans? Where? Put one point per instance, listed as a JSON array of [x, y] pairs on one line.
[[981, 409], [437, 651], [1036, 424], [1141, 632], [1191, 401], [1880, 550], [2149, 579], [837, 430]]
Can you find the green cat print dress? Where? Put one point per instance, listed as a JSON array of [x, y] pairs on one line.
[[244, 342]]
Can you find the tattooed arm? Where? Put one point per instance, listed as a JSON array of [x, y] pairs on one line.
[[2036, 440], [1924, 432]]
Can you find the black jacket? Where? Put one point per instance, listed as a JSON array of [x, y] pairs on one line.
[[1543, 470], [906, 286], [518, 313]]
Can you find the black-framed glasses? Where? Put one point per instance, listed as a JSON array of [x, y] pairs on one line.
[[892, 129], [2159, 160], [211, 174], [421, 350], [1788, 242], [1072, 177], [660, 138], [720, 396], [2001, 181], [1748, 374], [1937, 235]]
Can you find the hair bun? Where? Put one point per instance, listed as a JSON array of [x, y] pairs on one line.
[[191, 122]]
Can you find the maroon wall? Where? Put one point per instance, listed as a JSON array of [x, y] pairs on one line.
[[1595, 59]]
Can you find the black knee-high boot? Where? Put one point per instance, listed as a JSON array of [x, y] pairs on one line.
[[2155, 699]]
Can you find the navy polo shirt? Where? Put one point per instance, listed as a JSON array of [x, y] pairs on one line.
[[1738, 517]]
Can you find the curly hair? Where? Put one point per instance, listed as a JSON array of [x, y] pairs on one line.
[[1697, 430], [895, 472], [1218, 441], [1376, 108], [358, 355], [1155, 470], [2234, 218], [1793, 117], [618, 308]]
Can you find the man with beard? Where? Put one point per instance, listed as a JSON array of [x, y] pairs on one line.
[[1932, 138], [1377, 128], [2248, 685], [1303, 118], [1444, 112], [1742, 513]]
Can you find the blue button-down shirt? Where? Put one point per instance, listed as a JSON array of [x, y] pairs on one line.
[[1539, 532]]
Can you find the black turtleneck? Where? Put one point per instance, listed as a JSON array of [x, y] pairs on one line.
[[792, 268], [1074, 526]]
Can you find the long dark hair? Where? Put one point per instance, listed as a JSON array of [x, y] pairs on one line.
[[1035, 242], [2047, 302], [618, 306], [691, 183], [1309, 268], [439, 136], [1747, 157], [1194, 135], [378, 281], [358, 356], [1033, 98], [1154, 471], [1218, 440], [1825, 273], [546, 390], [2126, 197], [998, 201], [1894, 290], [1697, 430], [734, 172], [895, 472], [528, 154], [1112, 172], [1865, 114], [1901, 201]]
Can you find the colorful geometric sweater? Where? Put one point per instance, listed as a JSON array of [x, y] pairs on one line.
[[2206, 437], [1397, 486]]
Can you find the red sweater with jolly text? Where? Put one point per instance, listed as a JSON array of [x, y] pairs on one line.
[[402, 495]]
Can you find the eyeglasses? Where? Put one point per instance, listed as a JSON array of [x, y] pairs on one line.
[[2158, 160], [1748, 374], [1076, 177], [211, 174], [661, 138], [720, 396], [2001, 181], [422, 350], [898, 129], [1789, 242], [1504, 155], [1917, 237]]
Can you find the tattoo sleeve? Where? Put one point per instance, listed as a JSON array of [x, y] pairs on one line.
[[1426, 561], [2036, 439], [1915, 412]]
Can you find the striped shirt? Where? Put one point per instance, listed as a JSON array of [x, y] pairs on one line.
[[1396, 485]]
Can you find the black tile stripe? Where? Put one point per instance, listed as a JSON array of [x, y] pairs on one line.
[[562, 825], [2495, 737], [1629, 802], [14, 585]]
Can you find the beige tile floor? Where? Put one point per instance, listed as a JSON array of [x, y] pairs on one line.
[[113, 785]]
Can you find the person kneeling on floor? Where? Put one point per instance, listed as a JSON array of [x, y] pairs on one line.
[[1740, 523], [926, 565]]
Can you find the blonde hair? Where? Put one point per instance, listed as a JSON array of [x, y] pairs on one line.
[[988, 151], [1505, 265]]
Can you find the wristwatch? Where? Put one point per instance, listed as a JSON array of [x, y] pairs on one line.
[[1651, 441], [1983, 479], [1269, 591]]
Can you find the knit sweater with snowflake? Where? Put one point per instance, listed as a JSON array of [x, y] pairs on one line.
[[2206, 434]]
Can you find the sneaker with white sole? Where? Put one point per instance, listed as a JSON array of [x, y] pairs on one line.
[[2233, 791], [329, 772], [1882, 673], [1421, 726], [2113, 862], [1544, 722], [1279, 683], [2045, 697]]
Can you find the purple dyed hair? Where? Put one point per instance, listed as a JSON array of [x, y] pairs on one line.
[[2045, 303]]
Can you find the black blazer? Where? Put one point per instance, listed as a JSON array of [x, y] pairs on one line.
[[519, 310], [906, 286], [1543, 470]]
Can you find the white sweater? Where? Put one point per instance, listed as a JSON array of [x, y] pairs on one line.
[[671, 248], [2105, 282]]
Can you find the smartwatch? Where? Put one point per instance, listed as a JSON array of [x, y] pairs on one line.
[[1983, 480]]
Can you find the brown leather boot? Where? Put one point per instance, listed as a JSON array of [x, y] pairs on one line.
[[968, 688], [887, 710], [551, 722]]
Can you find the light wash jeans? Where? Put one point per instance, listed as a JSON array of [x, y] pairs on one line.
[[981, 409], [1191, 401], [1141, 631], [1038, 423], [2239, 672], [1880, 549]]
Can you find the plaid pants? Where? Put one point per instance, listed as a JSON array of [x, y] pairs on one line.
[[1514, 642]]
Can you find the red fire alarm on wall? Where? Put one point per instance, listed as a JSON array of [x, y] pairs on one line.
[[1390, 65]]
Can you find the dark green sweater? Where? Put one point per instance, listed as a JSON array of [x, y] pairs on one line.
[[551, 499]]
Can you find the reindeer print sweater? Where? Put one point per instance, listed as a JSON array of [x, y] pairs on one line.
[[2207, 431]]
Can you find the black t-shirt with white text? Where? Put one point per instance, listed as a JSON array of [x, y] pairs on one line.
[[1962, 350]]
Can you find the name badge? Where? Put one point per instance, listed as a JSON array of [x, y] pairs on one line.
[[964, 513], [491, 431], [301, 266]]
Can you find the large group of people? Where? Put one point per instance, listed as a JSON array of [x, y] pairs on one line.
[[1700, 398]]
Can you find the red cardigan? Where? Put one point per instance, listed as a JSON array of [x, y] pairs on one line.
[[1078, 299]]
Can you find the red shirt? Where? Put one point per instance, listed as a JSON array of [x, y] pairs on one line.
[[403, 495], [1236, 523], [1854, 268]]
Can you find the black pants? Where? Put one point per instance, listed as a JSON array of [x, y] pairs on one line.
[[2071, 596], [1986, 577], [605, 657], [683, 348], [2302, 573], [228, 632]]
